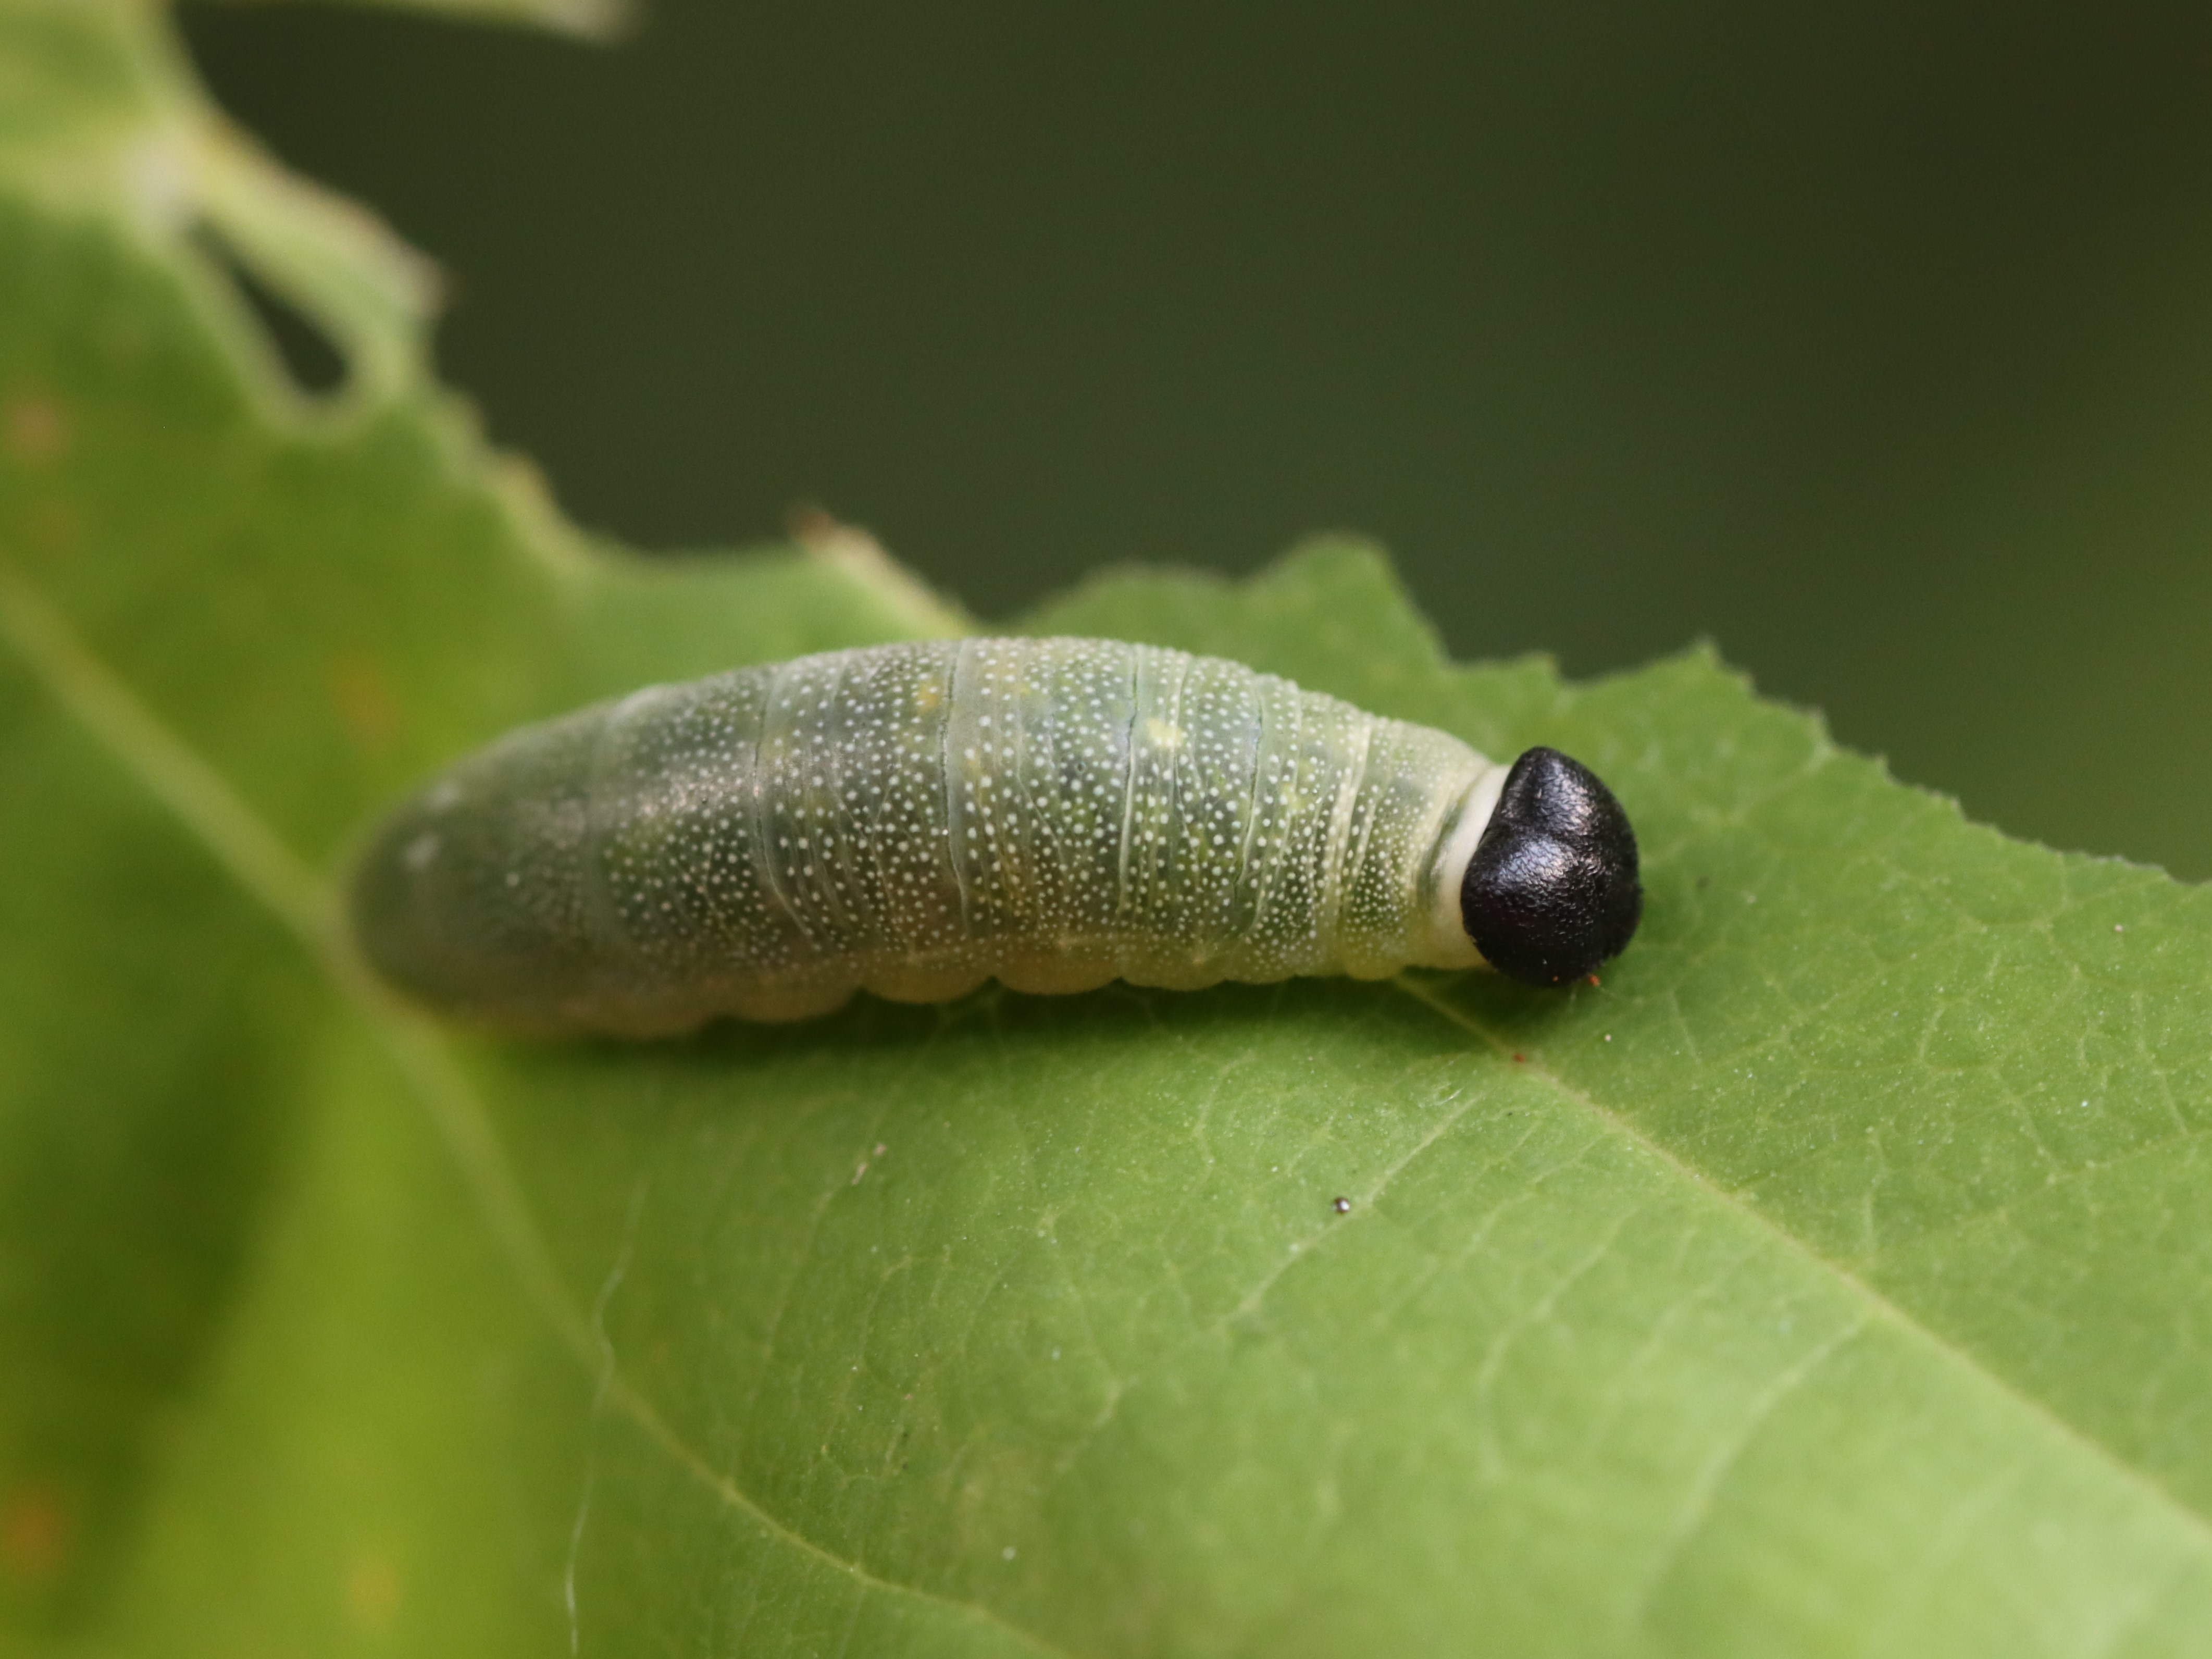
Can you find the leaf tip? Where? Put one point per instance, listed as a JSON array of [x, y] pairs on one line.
[[856, 552]]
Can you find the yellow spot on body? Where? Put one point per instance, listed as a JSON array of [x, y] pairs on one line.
[[1163, 734], [928, 697]]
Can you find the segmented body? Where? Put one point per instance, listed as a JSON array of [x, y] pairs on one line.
[[912, 819]]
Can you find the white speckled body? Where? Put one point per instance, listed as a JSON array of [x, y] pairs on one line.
[[913, 819]]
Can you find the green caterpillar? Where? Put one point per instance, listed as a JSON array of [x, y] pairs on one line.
[[914, 819]]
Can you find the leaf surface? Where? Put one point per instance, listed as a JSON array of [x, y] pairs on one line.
[[1832, 1278]]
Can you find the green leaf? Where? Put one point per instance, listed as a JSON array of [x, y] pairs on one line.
[[1832, 1278]]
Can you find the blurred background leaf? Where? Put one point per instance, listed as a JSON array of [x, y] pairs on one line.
[[1870, 340]]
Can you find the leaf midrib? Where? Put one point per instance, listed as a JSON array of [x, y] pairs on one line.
[[219, 819]]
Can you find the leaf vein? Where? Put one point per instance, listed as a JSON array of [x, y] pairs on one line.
[[2195, 1524]]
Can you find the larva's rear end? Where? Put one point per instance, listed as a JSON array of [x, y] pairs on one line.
[[599, 873], [474, 896]]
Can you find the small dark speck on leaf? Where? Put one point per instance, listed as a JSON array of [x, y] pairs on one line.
[[1343, 1205], [1520, 1059]]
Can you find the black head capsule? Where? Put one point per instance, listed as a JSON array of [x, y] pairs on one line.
[[1551, 890]]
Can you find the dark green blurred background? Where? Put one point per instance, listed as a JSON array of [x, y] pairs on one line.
[[1874, 341]]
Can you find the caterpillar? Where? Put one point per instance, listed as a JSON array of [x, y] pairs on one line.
[[914, 819]]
